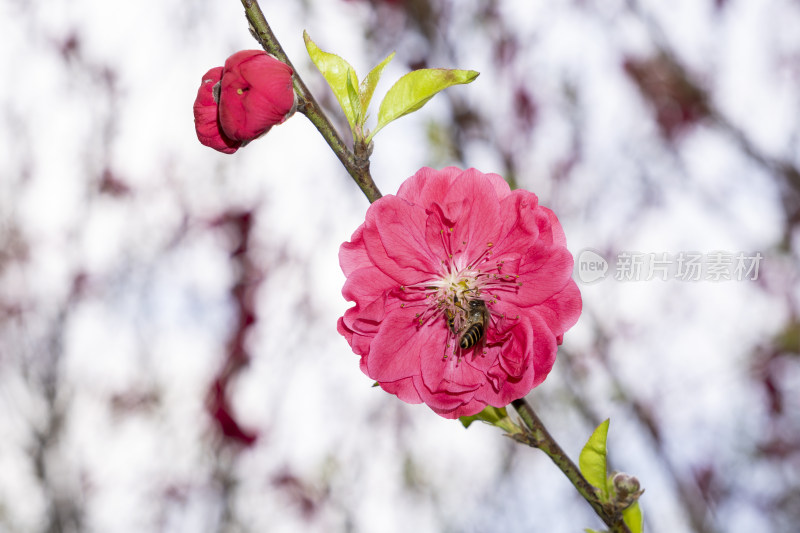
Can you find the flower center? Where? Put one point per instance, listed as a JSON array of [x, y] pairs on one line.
[[444, 300]]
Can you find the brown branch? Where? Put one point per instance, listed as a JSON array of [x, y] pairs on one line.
[[356, 164], [537, 436]]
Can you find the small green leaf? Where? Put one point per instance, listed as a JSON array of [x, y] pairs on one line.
[[466, 421], [490, 415], [632, 516], [369, 83], [339, 75], [355, 103], [413, 91], [496, 416], [587, 530], [592, 460]]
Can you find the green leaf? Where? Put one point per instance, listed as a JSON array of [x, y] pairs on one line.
[[413, 91], [632, 516], [369, 83], [339, 75], [490, 415], [496, 416], [587, 530], [466, 421], [355, 102], [592, 460]]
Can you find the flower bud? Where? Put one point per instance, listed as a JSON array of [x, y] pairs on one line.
[[256, 94], [627, 488], [206, 118]]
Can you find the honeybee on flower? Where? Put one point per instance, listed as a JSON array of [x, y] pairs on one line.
[[462, 291]]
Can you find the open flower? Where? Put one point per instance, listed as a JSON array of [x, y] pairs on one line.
[[256, 94], [206, 117], [462, 291]]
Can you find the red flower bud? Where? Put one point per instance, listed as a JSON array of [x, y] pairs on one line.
[[206, 119], [256, 94]]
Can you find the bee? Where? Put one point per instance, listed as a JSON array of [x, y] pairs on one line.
[[451, 320], [477, 317], [451, 315]]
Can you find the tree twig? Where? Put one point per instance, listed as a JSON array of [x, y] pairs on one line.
[[537, 436], [356, 165]]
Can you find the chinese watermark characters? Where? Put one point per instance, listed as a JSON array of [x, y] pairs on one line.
[[591, 266]]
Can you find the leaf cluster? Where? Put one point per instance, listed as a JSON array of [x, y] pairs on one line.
[[408, 94]]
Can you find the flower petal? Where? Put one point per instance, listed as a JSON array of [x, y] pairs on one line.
[[473, 207], [394, 237], [447, 403], [361, 323], [206, 117], [397, 347], [256, 94], [450, 375], [403, 389], [367, 285], [562, 310], [520, 228], [543, 272], [550, 228], [353, 255], [429, 186], [517, 376]]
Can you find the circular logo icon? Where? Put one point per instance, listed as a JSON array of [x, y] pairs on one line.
[[591, 266]]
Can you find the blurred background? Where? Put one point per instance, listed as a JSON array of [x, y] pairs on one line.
[[168, 354]]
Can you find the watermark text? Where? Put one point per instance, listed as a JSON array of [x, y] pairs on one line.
[[592, 266]]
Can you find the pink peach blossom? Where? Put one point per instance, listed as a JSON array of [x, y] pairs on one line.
[[447, 238], [256, 94], [206, 119]]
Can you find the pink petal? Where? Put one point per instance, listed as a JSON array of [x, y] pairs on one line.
[[396, 349], [367, 285], [427, 185], [451, 375], [544, 350], [520, 228], [394, 236], [473, 206], [543, 272], [358, 328], [403, 389], [446, 404], [562, 310], [256, 94], [550, 228], [472, 407], [498, 184], [353, 254], [206, 118], [515, 380]]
